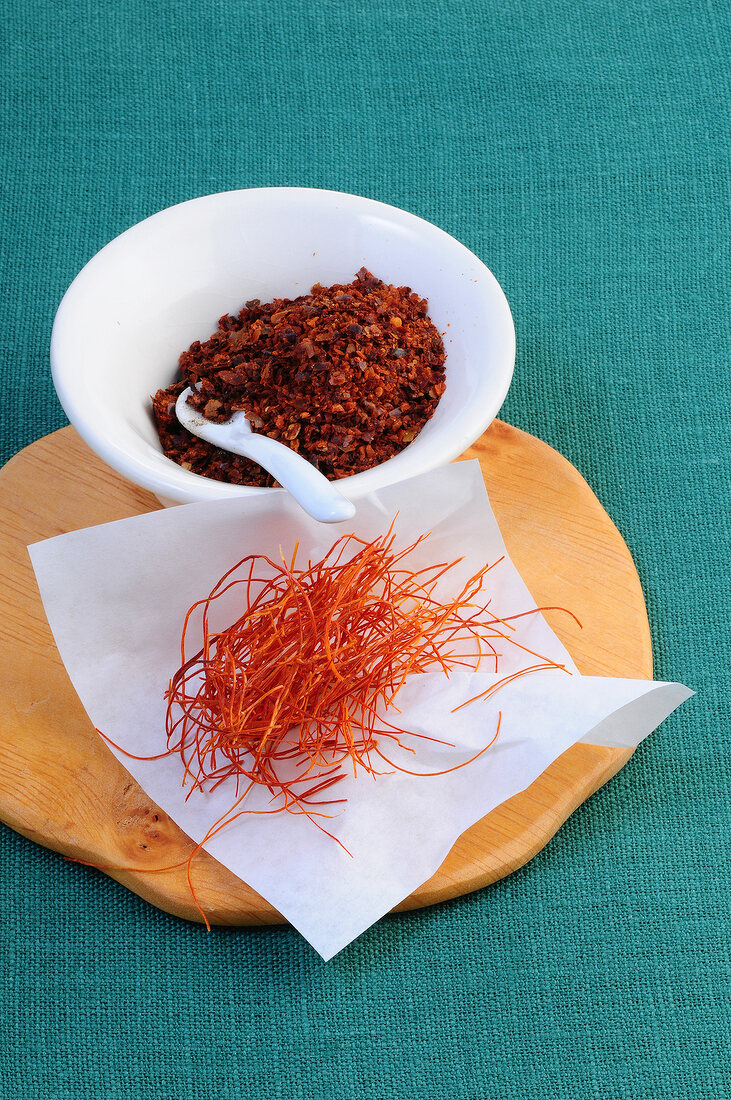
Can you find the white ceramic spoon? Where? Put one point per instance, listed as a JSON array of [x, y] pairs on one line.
[[308, 486]]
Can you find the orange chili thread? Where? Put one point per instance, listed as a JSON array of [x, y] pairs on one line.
[[291, 696]]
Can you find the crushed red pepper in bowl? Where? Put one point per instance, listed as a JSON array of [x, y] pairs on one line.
[[346, 375]]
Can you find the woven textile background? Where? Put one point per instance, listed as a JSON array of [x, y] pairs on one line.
[[582, 151]]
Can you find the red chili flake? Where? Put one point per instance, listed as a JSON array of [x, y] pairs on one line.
[[318, 373]]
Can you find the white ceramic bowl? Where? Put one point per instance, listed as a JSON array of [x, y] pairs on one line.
[[146, 296]]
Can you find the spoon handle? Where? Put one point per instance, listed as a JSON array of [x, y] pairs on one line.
[[308, 486]]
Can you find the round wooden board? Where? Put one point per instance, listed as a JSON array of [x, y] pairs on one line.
[[60, 785]]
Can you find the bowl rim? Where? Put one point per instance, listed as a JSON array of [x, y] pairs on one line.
[[182, 486]]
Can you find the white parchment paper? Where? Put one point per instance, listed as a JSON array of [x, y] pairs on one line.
[[116, 596]]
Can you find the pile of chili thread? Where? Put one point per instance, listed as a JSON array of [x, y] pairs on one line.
[[346, 375], [301, 689]]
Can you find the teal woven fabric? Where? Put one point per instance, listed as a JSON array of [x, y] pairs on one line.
[[580, 149]]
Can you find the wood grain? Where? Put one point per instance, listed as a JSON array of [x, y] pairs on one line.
[[61, 787]]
